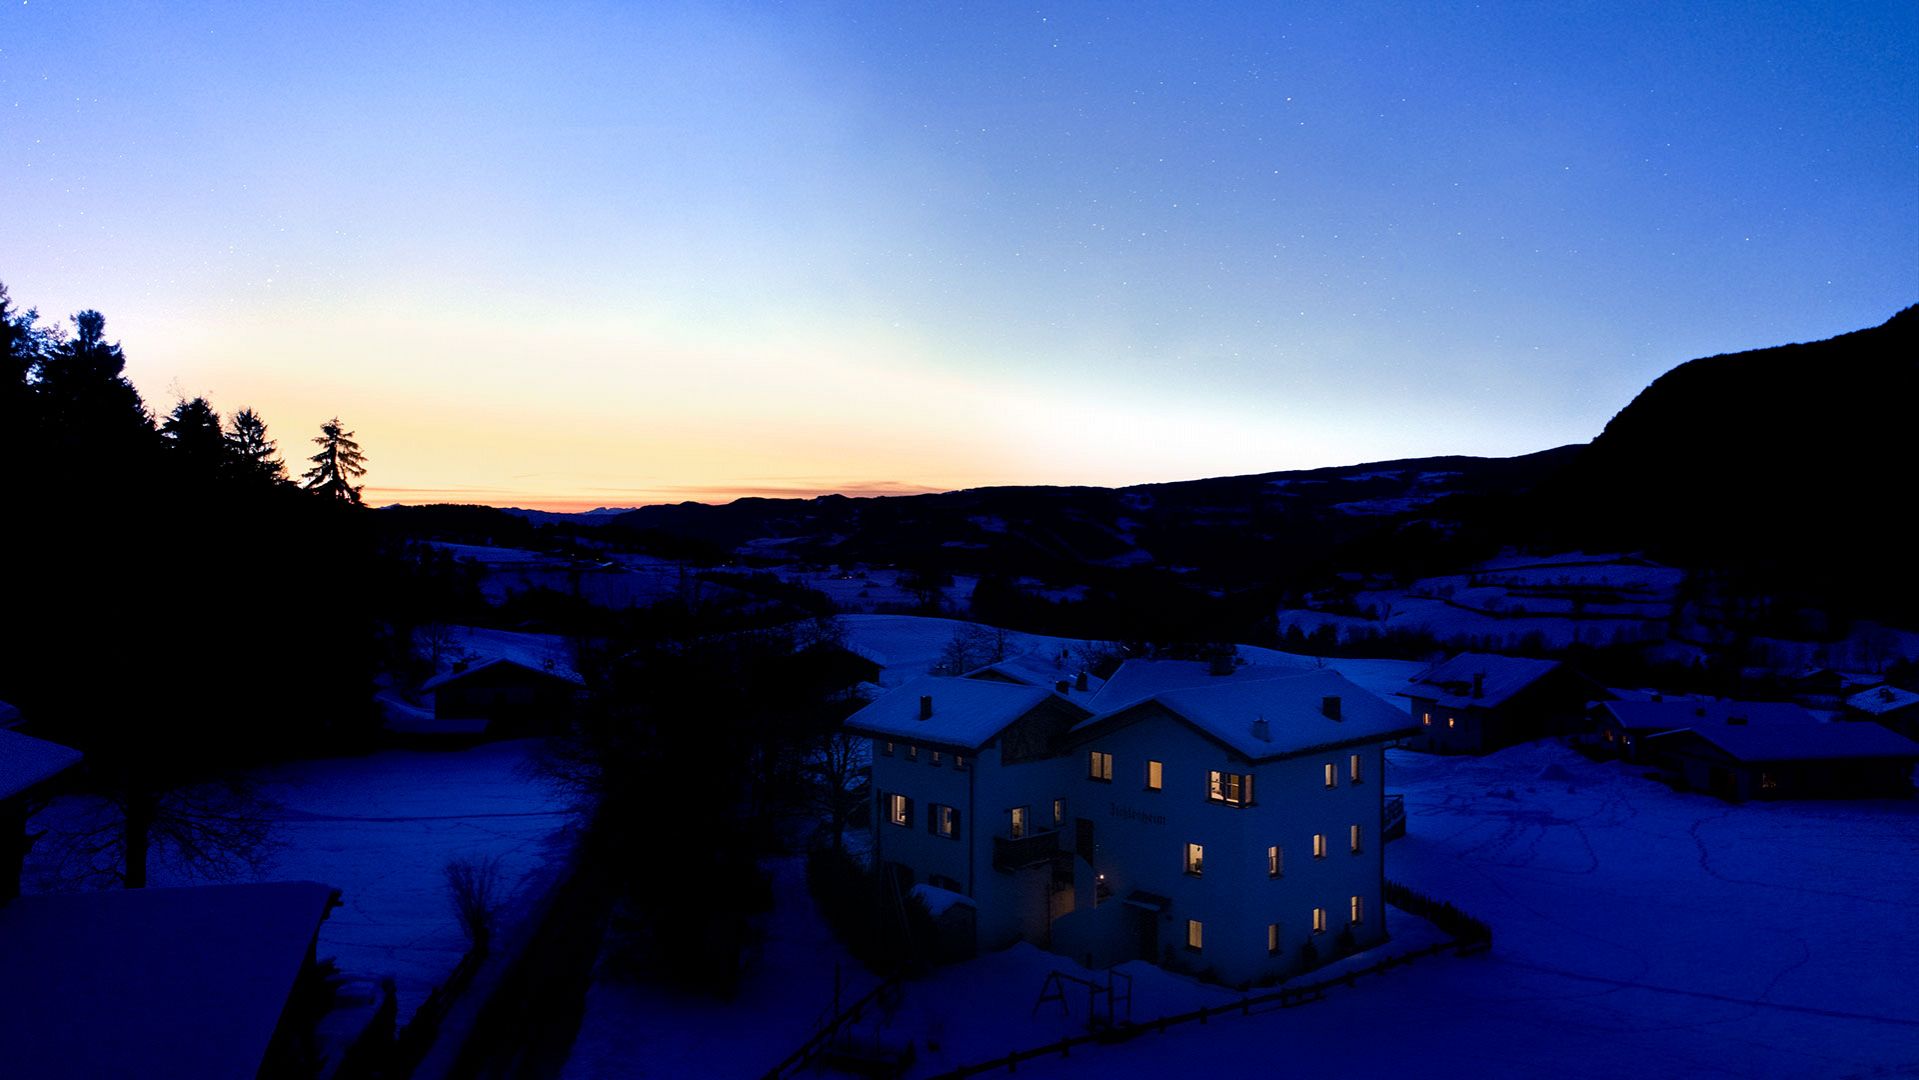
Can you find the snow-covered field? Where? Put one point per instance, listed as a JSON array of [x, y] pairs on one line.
[[1639, 932], [381, 829]]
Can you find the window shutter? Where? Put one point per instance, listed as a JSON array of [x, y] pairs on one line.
[[933, 817], [956, 824], [909, 813]]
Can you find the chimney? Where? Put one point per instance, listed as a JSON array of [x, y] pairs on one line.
[[1062, 686], [1079, 682], [926, 706], [1699, 710], [1262, 730], [1479, 684], [1330, 706]]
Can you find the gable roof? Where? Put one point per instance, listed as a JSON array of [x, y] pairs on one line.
[[1225, 710], [186, 983], [500, 663], [1881, 700], [1451, 682], [1808, 741], [1684, 713], [1139, 680], [966, 712], [27, 762], [1041, 667]]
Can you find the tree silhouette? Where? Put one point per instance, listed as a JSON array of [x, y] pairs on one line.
[[252, 455], [192, 430], [337, 465]]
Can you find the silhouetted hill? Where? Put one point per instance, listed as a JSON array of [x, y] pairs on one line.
[[1793, 464]]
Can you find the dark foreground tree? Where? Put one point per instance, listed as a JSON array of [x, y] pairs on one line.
[[338, 464], [252, 455]]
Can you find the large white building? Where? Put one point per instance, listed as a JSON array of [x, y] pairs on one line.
[[1227, 824]]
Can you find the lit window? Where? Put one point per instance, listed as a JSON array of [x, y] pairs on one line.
[[887, 748], [1359, 909], [959, 761], [1355, 839], [1319, 845], [1767, 782], [1195, 934], [1233, 788], [1272, 939], [936, 758], [1195, 858], [1452, 721], [899, 809], [1319, 920], [946, 821], [1426, 719], [1332, 775], [1018, 824], [1059, 813], [1099, 766], [1155, 775], [1354, 773], [1273, 863], [912, 752]]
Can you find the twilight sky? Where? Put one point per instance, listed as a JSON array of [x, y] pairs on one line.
[[573, 255]]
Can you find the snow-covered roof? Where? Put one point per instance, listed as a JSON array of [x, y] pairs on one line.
[[1683, 713], [966, 712], [1138, 680], [185, 983], [1881, 700], [27, 762], [1498, 678], [1292, 704], [939, 901], [446, 677], [1041, 667], [1803, 741]]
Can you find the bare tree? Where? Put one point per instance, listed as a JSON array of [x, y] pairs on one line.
[[217, 831], [972, 646], [837, 781]]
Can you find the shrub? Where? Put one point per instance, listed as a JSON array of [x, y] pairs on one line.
[[473, 885]]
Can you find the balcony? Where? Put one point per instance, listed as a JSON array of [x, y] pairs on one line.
[[1033, 849]]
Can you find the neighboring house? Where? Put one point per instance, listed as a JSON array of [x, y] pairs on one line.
[[504, 698], [1739, 752], [1057, 671], [1823, 686], [1895, 708], [1622, 727], [1478, 702], [195, 984], [27, 767], [1225, 824]]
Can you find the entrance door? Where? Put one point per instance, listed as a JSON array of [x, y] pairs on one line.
[[1148, 936]]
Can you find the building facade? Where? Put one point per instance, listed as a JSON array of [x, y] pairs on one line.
[[1226, 825]]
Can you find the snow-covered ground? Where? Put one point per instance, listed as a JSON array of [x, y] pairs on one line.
[[381, 829], [1639, 931], [637, 1030]]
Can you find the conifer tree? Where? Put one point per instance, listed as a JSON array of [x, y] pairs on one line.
[[337, 465], [252, 454], [192, 432]]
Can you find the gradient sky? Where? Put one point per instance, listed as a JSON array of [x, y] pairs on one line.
[[571, 255]]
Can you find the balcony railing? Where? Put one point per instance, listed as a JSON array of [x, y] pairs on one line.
[[1032, 849], [1393, 822]]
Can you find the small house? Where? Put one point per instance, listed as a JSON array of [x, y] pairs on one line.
[[1621, 727], [1739, 754], [28, 767], [503, 698], [1891, 706], [209, 983], [1478, 702]]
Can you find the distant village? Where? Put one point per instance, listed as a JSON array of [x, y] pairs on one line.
[[1228, 816]]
